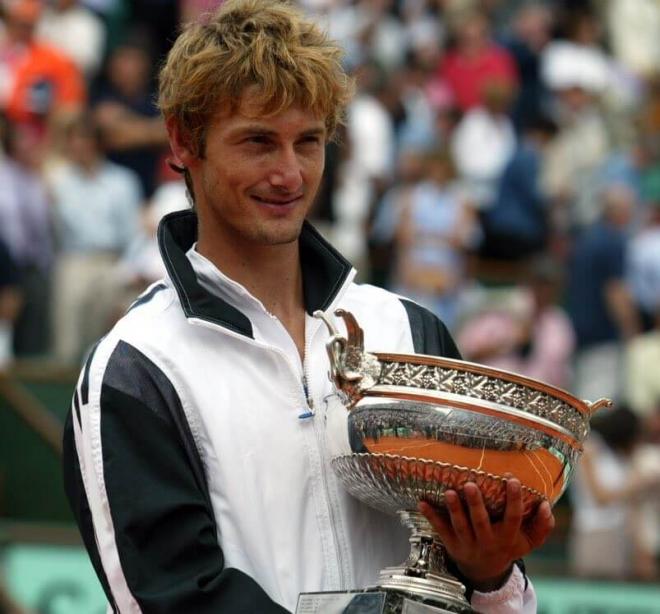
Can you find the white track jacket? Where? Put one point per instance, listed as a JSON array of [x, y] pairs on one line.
[[196, 450]]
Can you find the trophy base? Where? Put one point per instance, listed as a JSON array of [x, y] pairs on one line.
[[377, 600]]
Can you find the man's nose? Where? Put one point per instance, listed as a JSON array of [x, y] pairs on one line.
[[287, 171]]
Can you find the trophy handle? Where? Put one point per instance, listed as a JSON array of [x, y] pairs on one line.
[[355, 333], [352, 370], [599, 404]]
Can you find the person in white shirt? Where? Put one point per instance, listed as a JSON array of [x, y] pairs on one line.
[[76, 31], [479, 167]]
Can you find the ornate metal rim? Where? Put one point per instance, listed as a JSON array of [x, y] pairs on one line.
[[356, 373], [584, 407], [499, 391], [365, 456]]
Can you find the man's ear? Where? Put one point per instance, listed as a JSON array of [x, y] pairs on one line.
[[180, 143]]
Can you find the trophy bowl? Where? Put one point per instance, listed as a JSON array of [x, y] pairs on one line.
[[421, 425]]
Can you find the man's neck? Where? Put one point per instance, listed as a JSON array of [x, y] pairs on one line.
[[270, 273], [89, 167]]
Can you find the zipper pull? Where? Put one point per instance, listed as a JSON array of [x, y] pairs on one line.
[[309, 410]]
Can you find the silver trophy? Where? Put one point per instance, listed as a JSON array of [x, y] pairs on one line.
[[420, 425]]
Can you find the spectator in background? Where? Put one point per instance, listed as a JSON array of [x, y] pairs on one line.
[[642, 361], [141, 264], [410, 170], [418, 115], [632, 166], [605, 539], [650, 109], [97, 207], [367, 169], [10, 304], [531, 33], [341, 19], [366, 29], [647, 463], [474, 61], [76, 31], [517, 224], [424, 29], [382, 33], [577, 72], [579, 148], [36, 79], [480, 167], [643, 264], [529, 333], [435, 229], [599, 303], [643, 274], [577, 54], [159, 20], [642, 356], [123, 107], [633, 27], [26, 231]]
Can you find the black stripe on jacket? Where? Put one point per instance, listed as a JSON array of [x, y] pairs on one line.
[[430, 335], [165, 529]]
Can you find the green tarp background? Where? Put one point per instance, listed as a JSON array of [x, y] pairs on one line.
[[57, 580], [30, 474], [60, 580]]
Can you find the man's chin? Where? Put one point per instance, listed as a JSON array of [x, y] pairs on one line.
[[279, 236]]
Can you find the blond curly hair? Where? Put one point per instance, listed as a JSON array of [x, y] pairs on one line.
[[264, 43]]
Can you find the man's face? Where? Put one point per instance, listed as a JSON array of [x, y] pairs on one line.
[[259, 175], [81, 146]]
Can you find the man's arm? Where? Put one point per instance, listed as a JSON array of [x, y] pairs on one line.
[[139, 494], [621, 307]]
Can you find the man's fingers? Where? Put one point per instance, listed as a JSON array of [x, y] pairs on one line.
[[434, 517], [481, 525], [513, 512], [440, 524], [541, 525], [459, 520]]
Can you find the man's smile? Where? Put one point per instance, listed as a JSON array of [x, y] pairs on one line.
[[278, 200]]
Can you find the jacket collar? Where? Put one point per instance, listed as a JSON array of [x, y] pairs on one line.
[[324, 272]]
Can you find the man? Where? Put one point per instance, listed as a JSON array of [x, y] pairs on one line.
[[25, 230], [599, 301], [123, 106], [37, 79], [96, 215], [516, 226], [10, 306], [196, 457]]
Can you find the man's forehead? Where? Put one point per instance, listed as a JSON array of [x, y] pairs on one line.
[[251, 111]]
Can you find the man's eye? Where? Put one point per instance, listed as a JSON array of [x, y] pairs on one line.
[[258, 139], [311, 140]]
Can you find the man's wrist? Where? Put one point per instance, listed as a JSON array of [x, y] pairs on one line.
[[486, 584]]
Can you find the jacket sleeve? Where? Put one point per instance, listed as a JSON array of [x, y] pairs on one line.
[[430, 335], [516, 596], [138, 491]]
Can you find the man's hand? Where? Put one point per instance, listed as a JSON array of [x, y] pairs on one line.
[[483, 550]]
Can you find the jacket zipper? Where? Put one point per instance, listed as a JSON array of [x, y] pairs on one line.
[[308, 412], [319, 430]]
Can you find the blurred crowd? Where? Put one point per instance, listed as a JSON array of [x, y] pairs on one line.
[[500, 164]]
